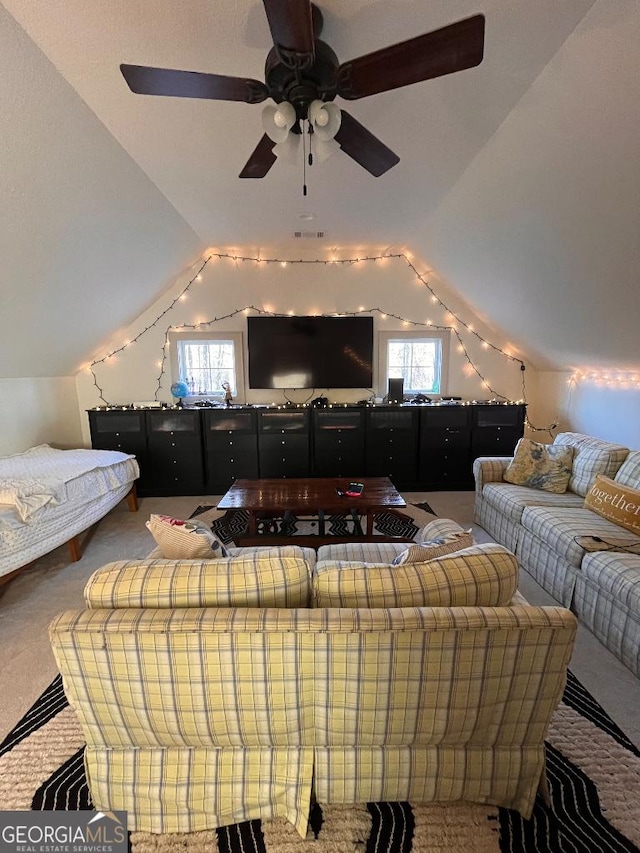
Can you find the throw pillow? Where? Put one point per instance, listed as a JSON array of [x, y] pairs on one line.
[[184, 540], [421, 552], [617, 503], [540, 466]]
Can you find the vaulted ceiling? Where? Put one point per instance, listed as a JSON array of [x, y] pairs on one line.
[[518, 180]]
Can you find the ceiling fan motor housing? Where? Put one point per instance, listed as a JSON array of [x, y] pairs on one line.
[[302, 86]]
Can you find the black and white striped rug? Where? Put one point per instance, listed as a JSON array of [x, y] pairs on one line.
[[593, 769], [232, 524]]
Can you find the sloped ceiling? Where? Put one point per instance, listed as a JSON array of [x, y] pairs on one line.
[[516, 181]]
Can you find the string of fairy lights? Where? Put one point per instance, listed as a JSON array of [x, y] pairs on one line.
[[452, 326]]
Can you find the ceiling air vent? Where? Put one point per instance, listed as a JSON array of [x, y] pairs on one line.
[[309, 235]]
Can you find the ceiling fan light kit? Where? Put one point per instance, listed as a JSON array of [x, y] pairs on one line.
[[303, 77]]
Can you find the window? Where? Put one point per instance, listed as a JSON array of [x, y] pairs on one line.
[[205, 360], [417, 358]]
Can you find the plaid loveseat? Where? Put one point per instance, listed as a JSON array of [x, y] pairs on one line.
[[552, 534], [198, 715]]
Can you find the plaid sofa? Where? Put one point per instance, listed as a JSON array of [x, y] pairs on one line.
[[198, 715], [550, 533]]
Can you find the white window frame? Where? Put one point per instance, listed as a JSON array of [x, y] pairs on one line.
[[383, 341], [238, 351]]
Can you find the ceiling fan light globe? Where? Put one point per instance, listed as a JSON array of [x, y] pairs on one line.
[[278, 121], [287, 150], [325, 119], [323, 148]]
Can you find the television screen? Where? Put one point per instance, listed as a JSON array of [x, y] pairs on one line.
[[310, 352]]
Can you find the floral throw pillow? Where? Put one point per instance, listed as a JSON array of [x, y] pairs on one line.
[[184, 540], [422, 552], [540, 466]]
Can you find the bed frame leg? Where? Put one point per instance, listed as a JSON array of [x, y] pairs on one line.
[[132, 499], [74, 549]]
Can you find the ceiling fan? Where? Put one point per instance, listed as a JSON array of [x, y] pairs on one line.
[[303, 77]]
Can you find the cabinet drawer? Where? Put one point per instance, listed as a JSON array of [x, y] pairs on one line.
[[173, 421], [283, 421], [117, 423], [447, 470], [494, 441], [175, 442], [128, 442], [398, 420], [230, 444], [343, 420], [284, 455], [394, 444], [498, 415], [339, 442], [446, 437], [223, 472], [228, 421], [338, 462], [440, 417]]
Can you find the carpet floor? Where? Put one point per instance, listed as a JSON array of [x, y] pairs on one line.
[[593, 770]]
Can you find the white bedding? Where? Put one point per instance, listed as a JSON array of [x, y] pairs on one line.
[[47, 496]]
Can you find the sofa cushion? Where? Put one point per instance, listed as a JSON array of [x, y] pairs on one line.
[[179, 539], [483, 575], [618, 574], [620, 504], [421, 552], [274, 578], [629, 472], [511, 500], [591, 456], [362, 552], [540, 466], [561, 527], [385, 552]]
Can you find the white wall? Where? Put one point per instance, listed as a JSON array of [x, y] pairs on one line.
[[39, 411], [302, 288], [608, 412]]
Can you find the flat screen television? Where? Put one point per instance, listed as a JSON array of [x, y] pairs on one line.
[[310, 352]]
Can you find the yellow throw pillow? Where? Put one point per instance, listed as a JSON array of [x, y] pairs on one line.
[[620, 504], [540, 466], [184, 540]]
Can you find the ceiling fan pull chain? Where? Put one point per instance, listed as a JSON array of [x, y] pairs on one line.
[[304, 164], [310, 131]]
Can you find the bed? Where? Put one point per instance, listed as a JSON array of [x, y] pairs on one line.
[[49, 497]]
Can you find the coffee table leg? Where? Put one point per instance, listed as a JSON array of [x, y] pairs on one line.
[[370, 522], [320, 522], [252, 523]]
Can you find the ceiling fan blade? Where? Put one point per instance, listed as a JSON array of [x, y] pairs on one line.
[[452, 48], [291, 25], [363, 147], [261, 160], [145, 80]]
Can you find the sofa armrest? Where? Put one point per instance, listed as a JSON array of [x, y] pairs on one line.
[[489, 469]]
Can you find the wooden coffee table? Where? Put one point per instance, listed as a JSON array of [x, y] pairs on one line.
[[311, 496]]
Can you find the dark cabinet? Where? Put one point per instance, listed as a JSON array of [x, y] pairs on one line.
[[197, 452], [445, 445], [338, 442], [392, 444], [496, 429], [283, 443], [174, 445], [124, 430], [231, 447]]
